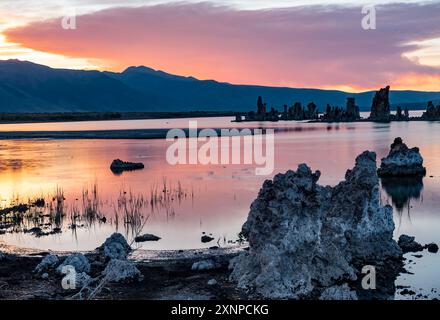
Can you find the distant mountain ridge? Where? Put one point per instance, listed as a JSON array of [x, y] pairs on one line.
[[30, 87]]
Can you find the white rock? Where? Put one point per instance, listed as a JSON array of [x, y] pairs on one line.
[[121, 271], [204, 265], [76, 260], [212, 282], [49, 262], [402, 161], [115, 247], [342, 292], [82, 280]]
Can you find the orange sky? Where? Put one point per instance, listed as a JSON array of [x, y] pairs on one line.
[[312, 46]]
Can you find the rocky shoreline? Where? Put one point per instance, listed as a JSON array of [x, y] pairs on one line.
[[166, 275]]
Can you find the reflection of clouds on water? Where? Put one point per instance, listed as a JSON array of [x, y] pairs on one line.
[[12, 159], [11, 164], [402, 190], [18, 164]]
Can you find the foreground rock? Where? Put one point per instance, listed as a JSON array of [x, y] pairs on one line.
[[76, 260], [82, 280], [49, 262], [204, 265], [118, 166], [432, 247], [205, 238], [305, 238], [409, 244], [146, 237], [121, 271], [402, 161], [343, 292], [115, 247]]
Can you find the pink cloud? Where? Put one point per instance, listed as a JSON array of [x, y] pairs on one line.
[[311, 46]]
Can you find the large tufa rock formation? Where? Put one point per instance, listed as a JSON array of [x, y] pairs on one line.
[[380, 108], [402, 161], [305, 238], [352, 109]]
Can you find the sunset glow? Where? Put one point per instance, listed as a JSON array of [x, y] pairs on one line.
[[276, 43]]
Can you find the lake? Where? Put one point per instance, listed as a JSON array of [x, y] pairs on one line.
[[180, 203]]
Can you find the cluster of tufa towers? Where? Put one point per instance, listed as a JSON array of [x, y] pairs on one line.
[[380, 111]]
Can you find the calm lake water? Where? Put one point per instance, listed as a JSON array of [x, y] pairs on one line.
[[179, 203]]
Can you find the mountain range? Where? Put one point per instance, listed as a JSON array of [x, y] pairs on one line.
[[30, 87]]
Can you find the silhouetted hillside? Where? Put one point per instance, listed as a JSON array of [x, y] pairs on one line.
[[29, 87]]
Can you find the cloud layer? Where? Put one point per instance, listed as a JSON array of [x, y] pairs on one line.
[[313, 46]]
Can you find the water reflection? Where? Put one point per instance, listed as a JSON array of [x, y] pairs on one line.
[[57, 213], [402, 190]]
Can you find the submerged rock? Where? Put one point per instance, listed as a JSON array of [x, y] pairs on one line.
[[121, 271], [408, 244], [402, 161], [432, 247], [405, 292], [146, 237], [37, 231], [115, 247], [2, 256], [305, 238], [49, 262], [118, 166], [205, 238], [76, 260]]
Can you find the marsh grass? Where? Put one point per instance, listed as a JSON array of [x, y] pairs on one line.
[[131, 210]]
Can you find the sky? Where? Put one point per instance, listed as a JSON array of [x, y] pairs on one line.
[[305, 43]]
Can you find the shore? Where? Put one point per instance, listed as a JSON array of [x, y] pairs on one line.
[[14, 118], [87, 134], [167, 275], [102, 134]]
